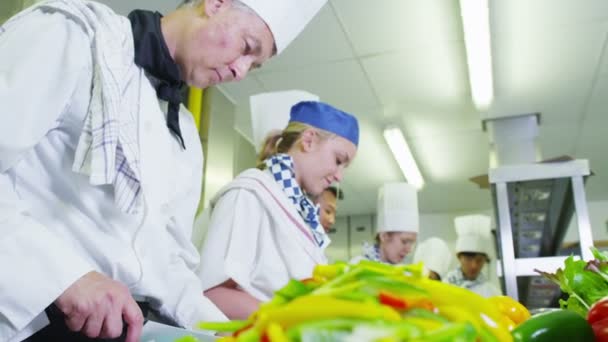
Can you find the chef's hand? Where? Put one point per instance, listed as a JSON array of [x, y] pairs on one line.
[[97, 305]]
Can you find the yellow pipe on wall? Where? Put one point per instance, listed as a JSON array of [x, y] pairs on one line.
[[195, 100]]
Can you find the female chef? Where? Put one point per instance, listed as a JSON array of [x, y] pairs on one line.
[[473, 252], [435, 254], [397, 225], [264, 228]]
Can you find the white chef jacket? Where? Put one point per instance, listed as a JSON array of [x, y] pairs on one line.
[[486, 289], [257, 238], [481, 285], [54, 225]]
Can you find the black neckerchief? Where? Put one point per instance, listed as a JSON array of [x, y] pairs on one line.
[[152, 54]]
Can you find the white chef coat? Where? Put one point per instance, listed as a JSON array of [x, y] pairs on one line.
[[481, 285], [54, 225], [257, 238], [486, 289]]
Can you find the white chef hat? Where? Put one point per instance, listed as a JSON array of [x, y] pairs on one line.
[[397, 208], [474, 234], [435, 254], [270, 111], [285, 18]]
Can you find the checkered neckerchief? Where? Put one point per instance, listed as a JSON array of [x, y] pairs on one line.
[[282, 170]]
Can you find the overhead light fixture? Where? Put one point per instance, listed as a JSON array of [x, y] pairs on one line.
[[476, 28], [403, 155]]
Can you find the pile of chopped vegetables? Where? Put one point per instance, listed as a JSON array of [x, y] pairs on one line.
[[376, 302]]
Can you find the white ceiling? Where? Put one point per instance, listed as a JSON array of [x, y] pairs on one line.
[[403, 62]]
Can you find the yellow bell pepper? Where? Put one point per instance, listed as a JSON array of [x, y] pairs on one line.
[[226, 339], [276, 333], [328, 271], [310, 308], [461, 315], [511, 308], [426, 324], [448, 295]]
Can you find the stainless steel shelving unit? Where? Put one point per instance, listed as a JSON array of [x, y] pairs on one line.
[[535, 204]]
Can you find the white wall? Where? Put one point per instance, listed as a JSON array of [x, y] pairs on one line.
[[219, 160], [598, 217]]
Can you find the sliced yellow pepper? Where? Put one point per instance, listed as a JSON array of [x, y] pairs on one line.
[[425, 324], [276, 333], [319, 307], [511, 308], [449, 295], [328, 271]]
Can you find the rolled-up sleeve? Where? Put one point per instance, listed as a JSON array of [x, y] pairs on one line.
[[230, 250]]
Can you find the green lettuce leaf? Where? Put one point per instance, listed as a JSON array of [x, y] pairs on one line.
[[584, 282]]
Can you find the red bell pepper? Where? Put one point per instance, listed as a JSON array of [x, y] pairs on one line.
[[598, 318], [392, 300], [600, 330]]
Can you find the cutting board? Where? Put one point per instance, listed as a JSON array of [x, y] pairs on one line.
[[157, 332]]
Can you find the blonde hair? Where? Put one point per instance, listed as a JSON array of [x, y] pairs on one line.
[[283, 141]]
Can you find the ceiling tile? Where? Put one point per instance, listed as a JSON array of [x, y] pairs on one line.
[[556, 140], [524, 15], [341, 84], [454, 196], [389, 25], [323, 40], [374, 163], [597, 108], [546, 70], [451, 158], [430, 76], [592, 137], [560, 104], [419, 123]]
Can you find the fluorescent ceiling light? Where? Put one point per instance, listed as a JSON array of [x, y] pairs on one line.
[[403, 155], [476, 27]]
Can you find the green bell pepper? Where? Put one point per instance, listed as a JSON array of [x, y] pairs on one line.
[[559, 325]]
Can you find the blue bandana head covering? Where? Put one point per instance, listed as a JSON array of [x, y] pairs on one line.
[[325, 117], [281, 168]]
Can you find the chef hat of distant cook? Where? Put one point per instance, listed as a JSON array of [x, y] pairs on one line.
[[397, 208], [435, 254], [270, 112], [474, 234], [285, 18]]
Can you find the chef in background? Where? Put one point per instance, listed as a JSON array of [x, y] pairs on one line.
[[328, 206], [436, 256], [397, 225], [269, 115], [264, 228], [473, 253]]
